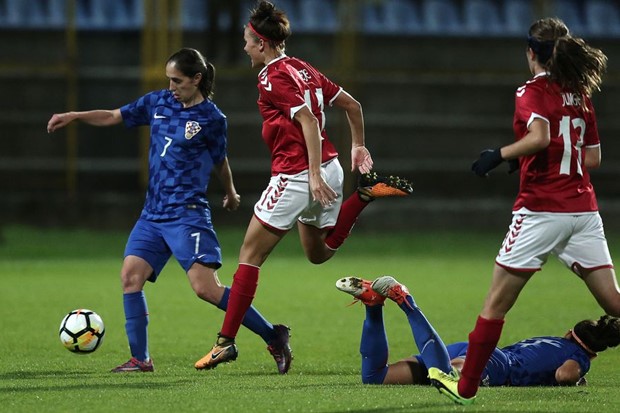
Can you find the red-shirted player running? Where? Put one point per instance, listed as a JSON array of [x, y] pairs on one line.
[[556, 210], [306, 185]]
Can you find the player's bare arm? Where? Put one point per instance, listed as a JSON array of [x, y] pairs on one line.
[[321, 191], [568, 374], [232, 199], [360, 156], [592, 157], [97, 117], [537, 139]]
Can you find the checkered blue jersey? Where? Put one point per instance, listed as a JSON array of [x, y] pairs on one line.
[[533, 362], [185, 143]]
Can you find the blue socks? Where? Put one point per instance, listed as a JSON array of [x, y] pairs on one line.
[[136, 322], [374, 346], [253, 320], [430, 345]]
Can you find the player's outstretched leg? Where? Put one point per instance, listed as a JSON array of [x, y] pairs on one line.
[[448, 384], [373, 345], [361, 290], [224, 351], [372, 185], [429, 343], [280, 349]]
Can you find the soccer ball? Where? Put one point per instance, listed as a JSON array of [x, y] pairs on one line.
[[81, 331]]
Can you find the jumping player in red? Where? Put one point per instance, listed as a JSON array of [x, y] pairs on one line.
[[306, 186], [556, 210]]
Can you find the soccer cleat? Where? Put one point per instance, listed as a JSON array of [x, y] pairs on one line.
[[134, 365], [223, 351], [373, 186], [280, 349], [448, 384], [387, 286], [360, 289]]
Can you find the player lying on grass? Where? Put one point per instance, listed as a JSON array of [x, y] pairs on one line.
[[536, 361]]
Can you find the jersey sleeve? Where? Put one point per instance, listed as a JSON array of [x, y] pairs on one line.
[[330, 89], [527, 104], [216, 134], [139, 112], [284, 91], [583, 360]]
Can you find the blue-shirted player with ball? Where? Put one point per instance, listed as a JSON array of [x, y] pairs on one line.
[[188, 142]]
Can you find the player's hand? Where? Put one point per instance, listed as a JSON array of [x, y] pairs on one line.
[[361, 159], [231, 203], [322, 192], [57, 121], [489, 159]]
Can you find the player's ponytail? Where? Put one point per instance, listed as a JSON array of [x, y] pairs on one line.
[[570, 62], [207, 84], [577, 66], [599, 335]]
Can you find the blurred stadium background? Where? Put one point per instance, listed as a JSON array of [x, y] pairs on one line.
[[436, 79]]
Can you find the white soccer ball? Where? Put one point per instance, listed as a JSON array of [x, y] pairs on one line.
[[81, 331]]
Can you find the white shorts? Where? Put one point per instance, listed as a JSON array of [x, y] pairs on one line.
[[577, 240], [287, 199]]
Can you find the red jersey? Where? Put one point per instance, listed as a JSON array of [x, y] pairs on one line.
[[285, 85], [555, 179]]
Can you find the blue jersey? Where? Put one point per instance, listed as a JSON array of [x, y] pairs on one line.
[[530, 362], [185, 144], [533, 362]]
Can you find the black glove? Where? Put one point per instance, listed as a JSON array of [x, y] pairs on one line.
[[489, 159]]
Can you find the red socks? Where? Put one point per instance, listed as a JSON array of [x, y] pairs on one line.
[[482, 341], [242, 291], [349, 211]]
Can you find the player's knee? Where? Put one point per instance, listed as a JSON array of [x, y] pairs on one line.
[[319, 257], [613, 309], [610, 304], [207, 295], [315, 259], [131, 282]]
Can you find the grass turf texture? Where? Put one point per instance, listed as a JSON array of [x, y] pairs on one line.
[[46, 273]]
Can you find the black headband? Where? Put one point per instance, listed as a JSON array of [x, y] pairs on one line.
[[543, 50]]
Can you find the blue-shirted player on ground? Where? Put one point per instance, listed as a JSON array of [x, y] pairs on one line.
[[188, 142], [536, 361]]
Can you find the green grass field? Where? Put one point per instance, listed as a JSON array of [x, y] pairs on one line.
[[46, 273]]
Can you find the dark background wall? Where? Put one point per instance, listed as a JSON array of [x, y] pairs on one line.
[[434, 94]]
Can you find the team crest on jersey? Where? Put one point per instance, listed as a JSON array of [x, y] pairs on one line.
[[304, 75], [191, 129]]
